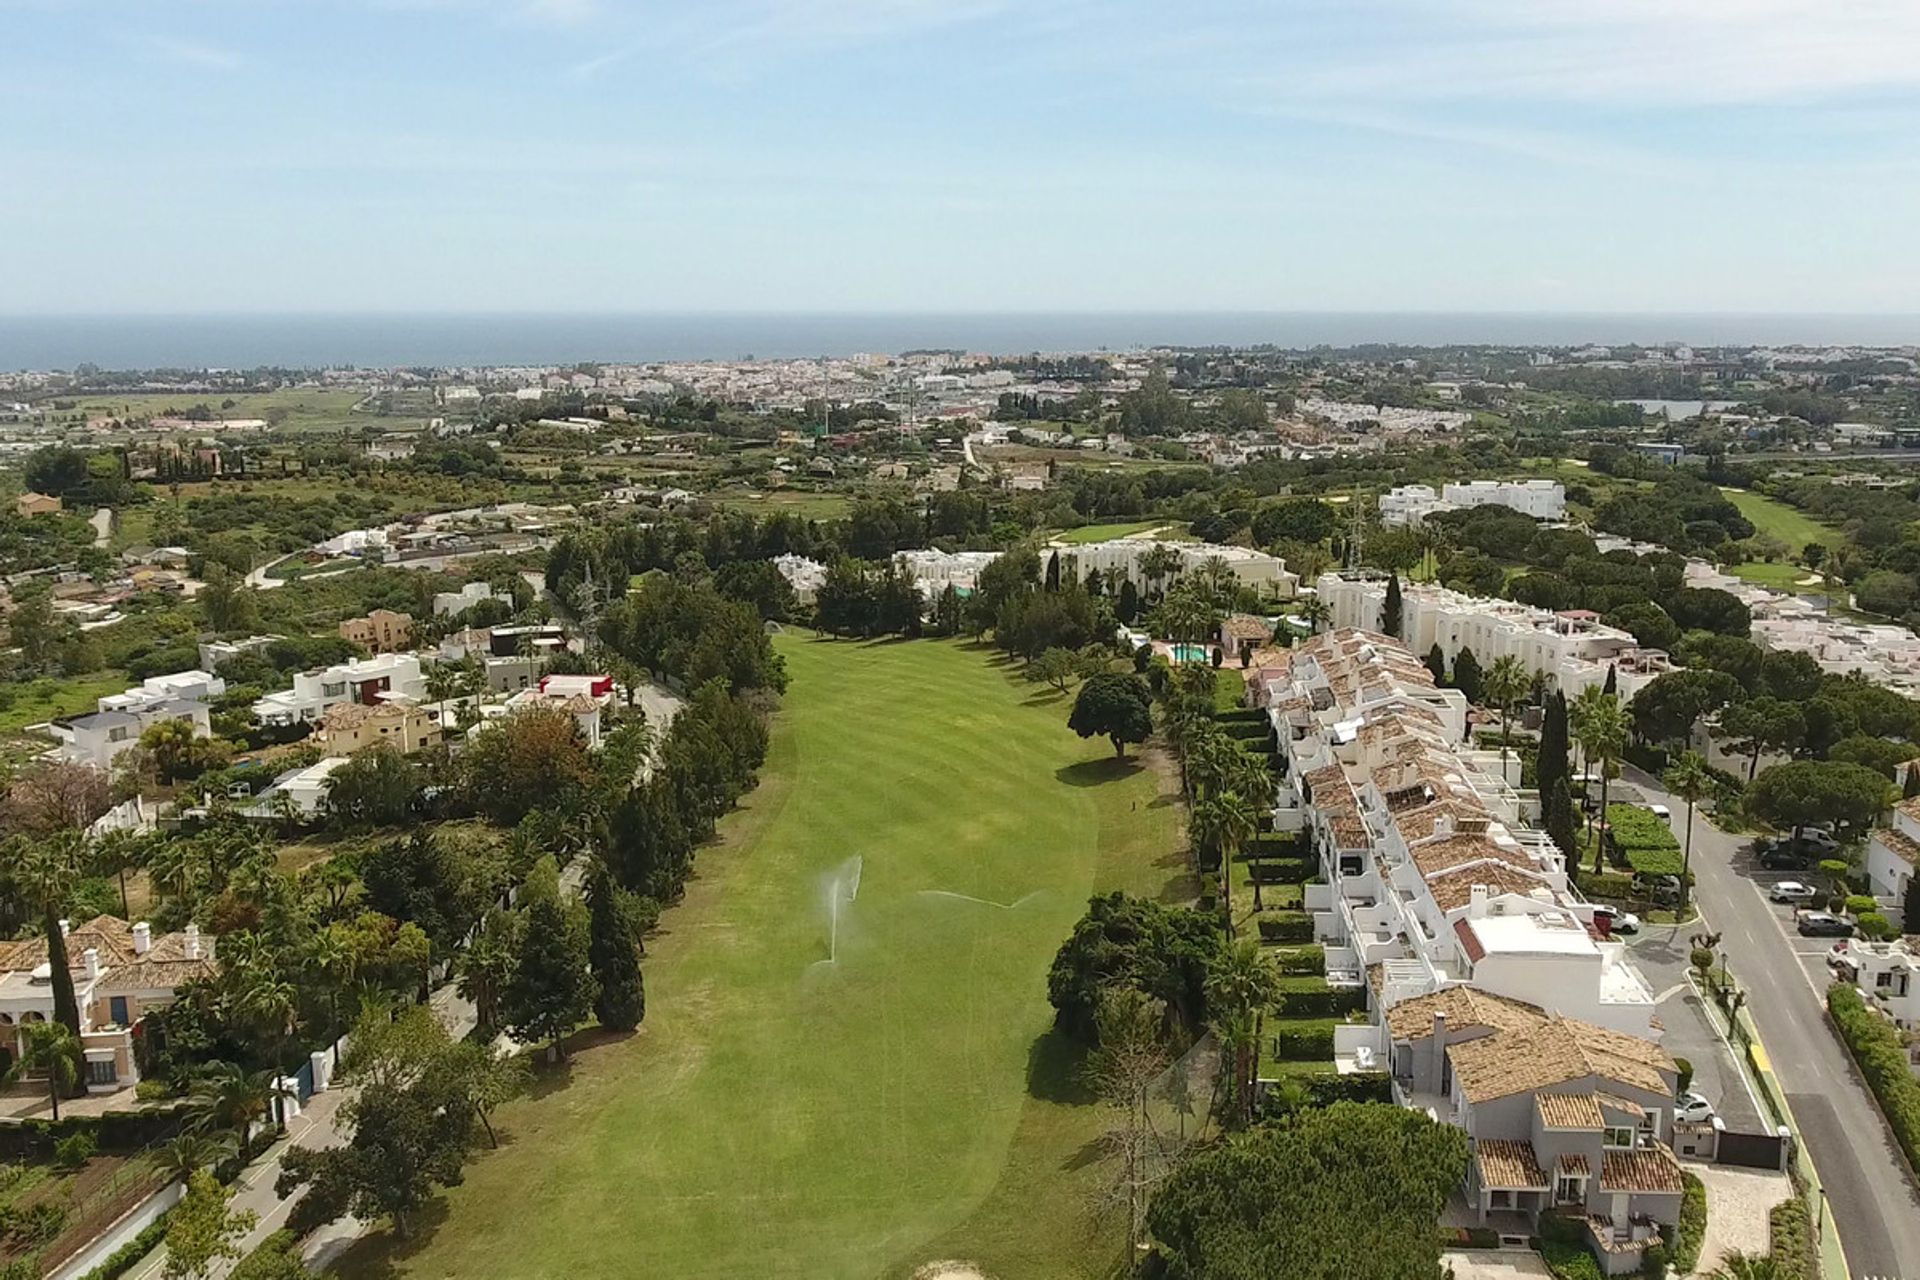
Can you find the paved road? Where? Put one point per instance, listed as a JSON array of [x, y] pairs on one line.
[[1867, 1185], [317, 1126]]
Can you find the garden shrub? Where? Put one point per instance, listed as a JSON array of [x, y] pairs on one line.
[[1569, 1261], [1359, 1086], [1286, 927], [1859, 904], [1469, 1238], [1320, 1001], [1882, 1059], [1790, 1240], [1644, 840], [1283, 871], [1875, 927], [1692, 1229], [75, 1149], [1606, 884], [1310, 960], [1653, 1261]]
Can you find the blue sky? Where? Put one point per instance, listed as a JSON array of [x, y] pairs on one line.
[[478, 155]]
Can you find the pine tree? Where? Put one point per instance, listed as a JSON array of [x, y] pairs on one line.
[[1466, 674], [614, 954], [551, 991], [1391, 613]]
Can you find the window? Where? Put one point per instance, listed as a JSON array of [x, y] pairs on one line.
[[101, 1072], [117, 734], [117, 1010], [334, 689], [1569, 1190], [1620, 1137], [1883, 979]]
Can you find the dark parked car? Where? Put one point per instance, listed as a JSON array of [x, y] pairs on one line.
[[1823, 924], [1782, 859]]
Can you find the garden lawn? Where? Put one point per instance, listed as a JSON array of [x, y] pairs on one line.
[[1775, 576], [1771, 516], [783, 1114], [1174, 531]]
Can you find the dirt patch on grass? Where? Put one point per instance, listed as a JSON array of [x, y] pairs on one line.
[[949, 1271]]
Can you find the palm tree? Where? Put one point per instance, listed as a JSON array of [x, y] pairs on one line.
[[193, 1151], [1225, 821], [43, 873], [1241, 985], [113, 853], [1156, 562], [1741, 1265], [52, 1048], [443, 682], [1690, 780], [1315, 611], [1599, 724], [1504, 685], [230, 1099], [334, 961]]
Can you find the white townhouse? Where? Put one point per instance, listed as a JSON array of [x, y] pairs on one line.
[[1572, 648], [1256, 569], [1893, 852], [1411, 504]]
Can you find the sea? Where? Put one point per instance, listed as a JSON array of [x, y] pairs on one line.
[[214, 341]]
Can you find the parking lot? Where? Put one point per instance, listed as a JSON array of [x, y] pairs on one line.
[[1812, 953]]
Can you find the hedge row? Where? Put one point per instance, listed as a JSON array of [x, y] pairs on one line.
[[1876, 1048], [1274, 844], [1790, 1240], [1241, 715], [1247, 730], [1322, 1001], [1692, 1229], [1283, 871], [121, 1260], [1606, 884], [1469, 1238], [1644, 840], [1308, 960], [1286, 927], [114, 1131], [1312, 1042], [1360, 1086]]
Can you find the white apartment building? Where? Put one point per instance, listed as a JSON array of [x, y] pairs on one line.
[[934, 571], [385, 677], [1411, 504], [805, 576], [1888, 974], [1256, 569], [1573, 649], [1433, 877]]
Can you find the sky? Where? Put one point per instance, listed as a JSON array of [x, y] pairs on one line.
[[992, 155]]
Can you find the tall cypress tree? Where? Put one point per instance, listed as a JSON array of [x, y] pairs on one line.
[[1551, 768], [1391, 611], [1053, 572], [1613, 680], [1437, 664], [614, 953], [1466, 674]]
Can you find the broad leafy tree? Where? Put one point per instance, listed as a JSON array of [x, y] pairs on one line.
[[1116, 707]]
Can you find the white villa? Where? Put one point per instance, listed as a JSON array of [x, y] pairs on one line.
[[1893, 853], [100, 737], [368, 681], [1411, 504], [120, 972], [1256, 569]]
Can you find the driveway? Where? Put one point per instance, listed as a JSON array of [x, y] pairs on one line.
[[1490, 1264], [1868, 1191], [1663, 954], [1738, 1202]]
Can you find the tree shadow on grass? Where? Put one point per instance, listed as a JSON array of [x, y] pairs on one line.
[[1043, 698], [1056, 1069], [1098, 773], [378, 1255]]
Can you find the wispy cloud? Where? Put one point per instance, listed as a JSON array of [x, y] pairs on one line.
[[195, 54]]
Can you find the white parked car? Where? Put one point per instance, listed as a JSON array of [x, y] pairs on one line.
[[1618, 920], [1692, 1107], [1661, 812], [1792, 891]]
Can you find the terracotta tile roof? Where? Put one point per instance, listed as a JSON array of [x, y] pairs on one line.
[[1244, 626], [1574, 1162], [1469, 942], [1463, 1007], [1910, 807], [1899, 843], [1444, 854], [1454, 889], [1418, 824], [1644, 1169], [1508, 1165], [165, 963], [1555, 1052], [1569, 1110], [1627, 1106]]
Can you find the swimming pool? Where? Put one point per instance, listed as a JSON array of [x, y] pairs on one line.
[[1189, 653]]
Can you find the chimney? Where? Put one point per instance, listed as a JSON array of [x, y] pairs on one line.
[[1443, 825], [66, 927], [1476, 901], [193, 942], [142, 938], [92, 959]]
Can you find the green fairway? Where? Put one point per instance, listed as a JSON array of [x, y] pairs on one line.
[[1771, 516], [1777, 576], [846, 1068], [1170, 529]]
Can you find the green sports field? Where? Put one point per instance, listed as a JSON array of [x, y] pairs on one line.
[[836, 1081], [1771, 516]]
